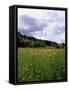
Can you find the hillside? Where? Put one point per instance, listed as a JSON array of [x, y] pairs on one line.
[[28, 41]]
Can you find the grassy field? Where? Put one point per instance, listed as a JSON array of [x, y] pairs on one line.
[[38, 64]]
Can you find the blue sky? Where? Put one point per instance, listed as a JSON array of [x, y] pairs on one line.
[[42, 24]]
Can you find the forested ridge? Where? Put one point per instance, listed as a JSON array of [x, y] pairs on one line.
[[28, 41]]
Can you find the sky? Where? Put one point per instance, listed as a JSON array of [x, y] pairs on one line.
[[42, 24]]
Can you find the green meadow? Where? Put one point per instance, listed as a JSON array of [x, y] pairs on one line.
[[41, 64]]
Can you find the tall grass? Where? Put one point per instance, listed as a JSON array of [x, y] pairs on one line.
[[38, 64]]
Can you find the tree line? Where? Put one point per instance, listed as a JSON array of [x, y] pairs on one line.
[[28, 41]]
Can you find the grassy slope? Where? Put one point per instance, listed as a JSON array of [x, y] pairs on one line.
[[36, 64]]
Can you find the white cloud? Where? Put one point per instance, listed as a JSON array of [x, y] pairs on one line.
[[52, 19]]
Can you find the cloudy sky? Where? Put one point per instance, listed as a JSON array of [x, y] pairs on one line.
[[42, 24]]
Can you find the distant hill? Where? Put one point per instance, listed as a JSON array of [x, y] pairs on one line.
[[28, 41]]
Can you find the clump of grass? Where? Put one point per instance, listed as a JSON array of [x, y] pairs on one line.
[[38, 64]]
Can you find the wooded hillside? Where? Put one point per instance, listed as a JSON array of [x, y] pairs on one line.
[[28, 41]]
